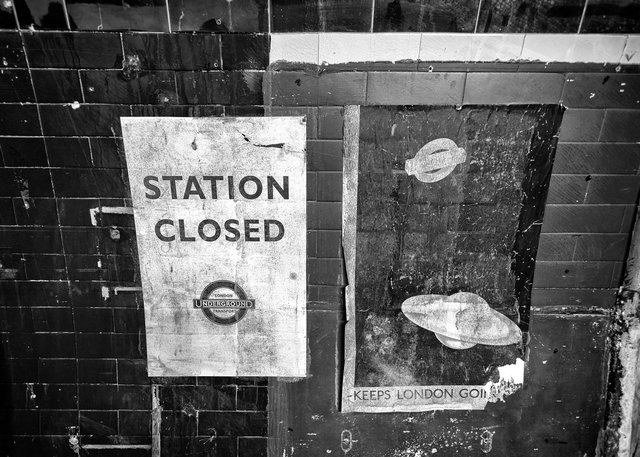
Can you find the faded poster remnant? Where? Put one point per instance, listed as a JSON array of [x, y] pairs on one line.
[[435, 161], [220, 211], [442, 215]]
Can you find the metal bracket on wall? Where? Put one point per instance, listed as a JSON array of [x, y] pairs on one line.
[[106, 291], [93, 212]]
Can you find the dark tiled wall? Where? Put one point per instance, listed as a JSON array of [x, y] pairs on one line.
[[73, 357], [73, 350], [488, 16]]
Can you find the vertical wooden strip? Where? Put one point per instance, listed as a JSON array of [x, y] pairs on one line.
[[279, 417], [351, 140], [156, 420]]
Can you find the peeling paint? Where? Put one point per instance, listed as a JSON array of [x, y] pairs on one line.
[[131, 66], [23, 185], [74, 438], [30, 395], [105, 292], [486, 441]]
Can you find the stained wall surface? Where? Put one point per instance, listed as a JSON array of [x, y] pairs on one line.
[[73, 349]]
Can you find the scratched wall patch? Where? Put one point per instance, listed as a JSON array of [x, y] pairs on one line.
[[442, 215], [220, 214]]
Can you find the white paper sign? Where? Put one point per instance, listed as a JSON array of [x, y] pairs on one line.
[[220, 213]]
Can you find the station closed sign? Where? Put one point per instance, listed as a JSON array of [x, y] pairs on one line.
[[220, 214]]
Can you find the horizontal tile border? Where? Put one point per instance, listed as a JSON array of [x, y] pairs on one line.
[[342, 48]]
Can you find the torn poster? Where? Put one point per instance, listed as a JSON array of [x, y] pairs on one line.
[[441, 220], [220, 210]]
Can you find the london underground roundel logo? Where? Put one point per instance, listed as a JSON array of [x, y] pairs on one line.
[[224, 302], [435, 160]]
